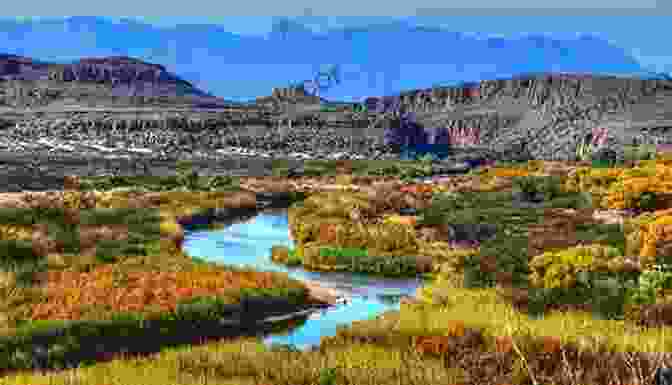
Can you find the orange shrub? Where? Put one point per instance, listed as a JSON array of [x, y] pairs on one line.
[[436, 345], [106, 289]]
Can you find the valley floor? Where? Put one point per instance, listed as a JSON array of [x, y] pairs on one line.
[[478, 236]]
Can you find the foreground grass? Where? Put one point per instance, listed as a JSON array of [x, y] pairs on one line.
[[248, 362], [378, 352]]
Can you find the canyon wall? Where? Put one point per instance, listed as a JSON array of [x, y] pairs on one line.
[[543, 117]]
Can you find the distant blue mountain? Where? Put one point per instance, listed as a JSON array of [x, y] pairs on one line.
[[377, 60]]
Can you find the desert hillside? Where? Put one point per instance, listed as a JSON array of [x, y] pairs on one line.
[[542, 116]]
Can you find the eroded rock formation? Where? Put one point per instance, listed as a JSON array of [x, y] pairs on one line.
[[543, 116]]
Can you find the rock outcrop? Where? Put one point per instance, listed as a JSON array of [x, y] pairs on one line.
[[542, 116], [25, 82]]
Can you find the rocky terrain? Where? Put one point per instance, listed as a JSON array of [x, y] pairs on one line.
[[122, 108]]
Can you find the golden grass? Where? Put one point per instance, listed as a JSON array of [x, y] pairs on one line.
[[248, 362], [470, 306]]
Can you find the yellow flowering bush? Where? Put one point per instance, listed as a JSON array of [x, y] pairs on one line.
[[578, 179], [507, 172], [16, 232], [595, 181], [535, 165], [628, 191], [656, 237], [559, 269], [449, 260], [72, 200], [400, 220], [634, 228]]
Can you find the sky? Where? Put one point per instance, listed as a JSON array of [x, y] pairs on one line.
[[644, 32], [642, 27]]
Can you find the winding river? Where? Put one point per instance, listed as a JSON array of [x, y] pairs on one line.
[[249, 242]]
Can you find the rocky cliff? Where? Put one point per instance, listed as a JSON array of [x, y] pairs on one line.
[[546, 114], [111, 81], [542, 116]]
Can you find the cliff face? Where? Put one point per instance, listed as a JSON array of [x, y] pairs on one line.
[[544, 116], [547, 114], [25, 82]]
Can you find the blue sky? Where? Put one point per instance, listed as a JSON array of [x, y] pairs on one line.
[[229, 71], [643, 31]]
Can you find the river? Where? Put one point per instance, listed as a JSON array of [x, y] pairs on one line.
[[249, 243]]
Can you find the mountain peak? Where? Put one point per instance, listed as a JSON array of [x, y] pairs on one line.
[[101, 78]]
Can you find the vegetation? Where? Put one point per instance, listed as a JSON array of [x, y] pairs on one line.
[[402, 169], [545, 292]]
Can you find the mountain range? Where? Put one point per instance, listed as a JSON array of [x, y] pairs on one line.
[[376, 60]]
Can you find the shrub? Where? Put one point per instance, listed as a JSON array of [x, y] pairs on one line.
[[475, 276], [609, 298], [560, 269], [650, 286], [16, 250], [548, 187], [343, 252], [503, 255], [641, 188], [293, 259], [656, 237], [284, 254]]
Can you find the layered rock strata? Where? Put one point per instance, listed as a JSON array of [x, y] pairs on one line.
[[128, 101]]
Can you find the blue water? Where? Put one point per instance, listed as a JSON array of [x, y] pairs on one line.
[[249, 243]]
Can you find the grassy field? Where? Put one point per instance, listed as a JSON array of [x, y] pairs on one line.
[[564, 287]]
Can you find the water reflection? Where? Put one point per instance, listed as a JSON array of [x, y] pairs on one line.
[[248, 243]]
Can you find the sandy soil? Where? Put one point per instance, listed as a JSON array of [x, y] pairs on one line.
[[324, 294]]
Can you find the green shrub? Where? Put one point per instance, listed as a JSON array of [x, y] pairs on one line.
[[478, 207], [474, 276], [647, 201], [25, 270], [559, 268], [511, 255], [17, 216], [327, 376], [198, 308], [154, 248], [605, 233], [386, 266], [609, 298], [571, 200], [548, 187], [295, 294], [31, 326], [219, 182], [344, 252], [393, 266], [650, 285], [16, 250], [293, 259], [602, 163], [538, 299]]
